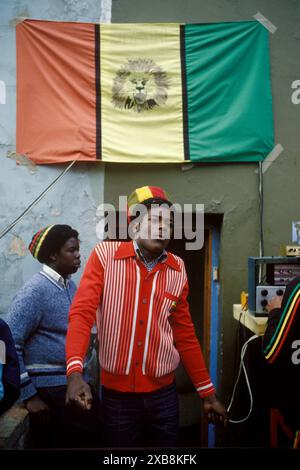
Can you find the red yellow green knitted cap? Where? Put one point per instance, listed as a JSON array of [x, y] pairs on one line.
[[38, 240], [147, 194], [50, 240]]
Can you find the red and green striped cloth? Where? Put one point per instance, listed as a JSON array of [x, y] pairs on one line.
[[287, 327]]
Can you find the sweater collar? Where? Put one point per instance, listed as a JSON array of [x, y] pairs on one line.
[[56, 276]]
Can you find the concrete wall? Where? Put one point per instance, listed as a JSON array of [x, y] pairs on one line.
[[75, 198], [231, 189]]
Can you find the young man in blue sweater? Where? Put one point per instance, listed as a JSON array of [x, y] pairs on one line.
[[38, 319]]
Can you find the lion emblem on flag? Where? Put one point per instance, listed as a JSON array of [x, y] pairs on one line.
[[140, 85]]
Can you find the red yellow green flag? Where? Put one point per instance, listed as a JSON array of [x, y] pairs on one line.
[[141, 93]]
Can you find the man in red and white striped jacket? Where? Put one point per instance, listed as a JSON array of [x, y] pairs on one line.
[[137, 293]]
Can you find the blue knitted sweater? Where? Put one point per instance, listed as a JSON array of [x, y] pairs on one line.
[[38, 319]]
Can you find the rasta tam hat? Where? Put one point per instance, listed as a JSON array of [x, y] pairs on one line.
[[49, 240], [147, 195]]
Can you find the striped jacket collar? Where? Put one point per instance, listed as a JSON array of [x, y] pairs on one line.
[[126, 250]]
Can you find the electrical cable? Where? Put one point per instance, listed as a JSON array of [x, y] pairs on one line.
[[245, 346], [261, 217], [237, 342], [20, 217], [242, 367]]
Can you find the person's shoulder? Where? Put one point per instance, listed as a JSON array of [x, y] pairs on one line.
[[32, 287], [110, 244], [177, 261], [294, 286], [295, 281], [108, 248], [4, 328], [3, 324], [38, 280], [5, 332]]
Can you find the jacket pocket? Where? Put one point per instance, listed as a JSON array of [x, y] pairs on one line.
[[170, 296]]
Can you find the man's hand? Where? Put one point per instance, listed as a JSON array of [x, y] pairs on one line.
[[38, 409], [78, 392], [275, 302], [215, 410]]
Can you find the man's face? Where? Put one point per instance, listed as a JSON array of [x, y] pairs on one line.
[[155, 230], [67, 261]]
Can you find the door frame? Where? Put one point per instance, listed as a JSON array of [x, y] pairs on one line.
[[211, 320]]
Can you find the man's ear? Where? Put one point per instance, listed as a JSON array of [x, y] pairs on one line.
[[53, 257], [135, 230]]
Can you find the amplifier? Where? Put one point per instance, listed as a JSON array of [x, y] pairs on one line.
[[263, 296], [268, 276]]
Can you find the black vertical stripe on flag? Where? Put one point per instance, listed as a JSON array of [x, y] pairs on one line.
[[98, 92], [186, 144]]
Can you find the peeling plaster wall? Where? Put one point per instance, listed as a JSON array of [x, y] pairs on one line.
[[232, 189], [76, 196]]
